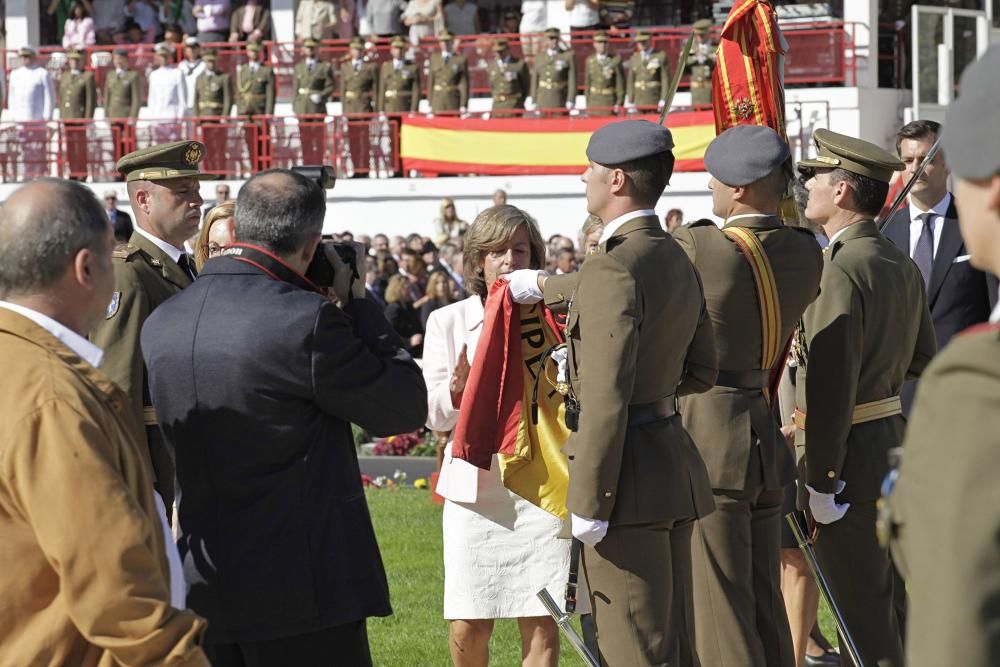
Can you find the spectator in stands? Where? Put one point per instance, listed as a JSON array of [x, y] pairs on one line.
[[403, 317], [78, 31], [500, 198], [448, 223], [191, 66], [590, 235], [30, 99], [534, 19], [386, 267], [461, 17], [173, 34], [673, 219], [62, 9], [217, 231], [398, 243], [179, 14], [440, 292], [131, 33], [450, 257], [412, 267], [380, 243], [372, 290], [423, 18], [212, 20], [121, 221], [144, 15], [616, 14], [384, 17], [167, 98], [415, 242], [510, 23], [107, 19], [583, 15], [348, 19], [316, 19], [251, 22], [565, 262]]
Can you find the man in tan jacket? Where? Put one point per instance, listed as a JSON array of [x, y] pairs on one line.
[[638, 335], [84, 574]]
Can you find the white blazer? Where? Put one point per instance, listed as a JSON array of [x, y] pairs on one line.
[[448, 329]]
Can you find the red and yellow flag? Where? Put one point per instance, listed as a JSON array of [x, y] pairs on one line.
[[746, 84]]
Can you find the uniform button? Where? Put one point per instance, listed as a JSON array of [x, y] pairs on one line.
[[831, 474], [607, 494], [560, 296]]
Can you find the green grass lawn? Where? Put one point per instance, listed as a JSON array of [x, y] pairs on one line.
[[408, 526]]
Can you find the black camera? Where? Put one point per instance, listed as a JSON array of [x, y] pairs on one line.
[[320, 271]]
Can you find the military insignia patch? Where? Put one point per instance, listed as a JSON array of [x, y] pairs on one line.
[[116, 300], [744, 108], [193, 155]]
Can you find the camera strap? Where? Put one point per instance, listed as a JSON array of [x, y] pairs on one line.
[[270, 264]]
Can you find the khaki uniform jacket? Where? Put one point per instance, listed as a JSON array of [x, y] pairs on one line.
[[867, 332], [358, 88], [448, 82], [254, 91], [83, 571], [603, 84], [77, 95], [649, 80], [122, 94], [308, 82], [212, 94], [509, 83], [724, 420], [637, 332], [399, 90], [553, 81], [945, 505], [145, 277]]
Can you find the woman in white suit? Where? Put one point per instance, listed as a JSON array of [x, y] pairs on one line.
[[499, 549]]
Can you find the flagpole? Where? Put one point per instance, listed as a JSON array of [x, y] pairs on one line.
[[676, 81]]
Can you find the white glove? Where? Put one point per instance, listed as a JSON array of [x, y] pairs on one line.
[[660, 105], [524, 285], [824, 507], [486, 116], [315, 98], [529, 103], [462, 110], [559, 355], [588, 531], [629, 107], [569, 105]]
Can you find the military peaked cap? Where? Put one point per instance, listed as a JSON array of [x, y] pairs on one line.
[[601, 36], [702, 26], [310, 43], [357, 43], [839, 151], [444, 35], [552, 32], [398, 42], [642, 37], [175, 160]]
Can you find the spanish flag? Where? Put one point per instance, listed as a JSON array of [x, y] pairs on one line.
[[496, 405], [747, 86]]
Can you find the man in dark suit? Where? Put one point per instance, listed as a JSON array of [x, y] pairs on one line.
[[958, 294], [121, 221], [257, 377]]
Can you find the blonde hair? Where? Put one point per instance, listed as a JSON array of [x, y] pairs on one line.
[[431, 291], [226, 209], [492, 229], [395, 288], [445, 203]]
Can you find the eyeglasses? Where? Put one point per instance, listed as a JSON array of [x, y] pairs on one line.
[[214, 249]]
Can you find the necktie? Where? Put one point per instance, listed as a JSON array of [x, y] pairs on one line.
[[186, 266], [923, 254]]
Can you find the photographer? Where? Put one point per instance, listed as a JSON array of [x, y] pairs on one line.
[[256, 378]]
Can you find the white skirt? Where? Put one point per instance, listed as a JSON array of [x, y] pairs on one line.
[[499, 551]]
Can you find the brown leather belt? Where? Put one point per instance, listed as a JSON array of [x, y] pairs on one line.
[[602, 91], [647, 413], [756, 378], [550, 85], [863, 412], [647, 84]]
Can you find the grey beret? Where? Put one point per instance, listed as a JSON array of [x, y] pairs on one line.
[[744, 154], [628, 140], [971, 140]]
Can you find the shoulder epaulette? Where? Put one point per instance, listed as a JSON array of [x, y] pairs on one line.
[[702, 222], [123, 251]]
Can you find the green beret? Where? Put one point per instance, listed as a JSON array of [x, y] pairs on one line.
[[310, 43], [398, 42], [601, 36], [162, 161], [642, 37], [970, 139], [702, 26], [627, 140], [444, 35], [552, 32], [357, 43], [839, 151]]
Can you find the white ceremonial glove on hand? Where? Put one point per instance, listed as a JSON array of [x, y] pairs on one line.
[[588, 531], [529, 104], [315, 98], [524, 285], [560, 355], [569, 105], [660, 105], [823, 506]]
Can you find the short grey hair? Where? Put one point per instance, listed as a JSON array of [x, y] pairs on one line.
[[279, 209], [40, 236]]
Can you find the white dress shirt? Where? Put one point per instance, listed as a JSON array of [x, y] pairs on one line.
[[93, 355], [167, 93], [191, 72], [613, 226], [172, 252], [938, 213], [30, 94], [995, 315]]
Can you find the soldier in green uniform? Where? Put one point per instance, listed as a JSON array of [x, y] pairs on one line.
[[213, 98], [739, 613], [867, 332], [700, 63], [313, 84], [122, 97], [603, 82], [213, 89], [358, 80], [254, 97], [553, 81], [648, 74], [399, 81], [77, 97], [946, 502], [447, 78], [509, 80], [163, 188]]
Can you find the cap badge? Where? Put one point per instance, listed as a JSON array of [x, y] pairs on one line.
[[193, 155]]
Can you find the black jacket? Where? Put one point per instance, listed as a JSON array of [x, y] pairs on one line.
[[256, 383], [959, 295]]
